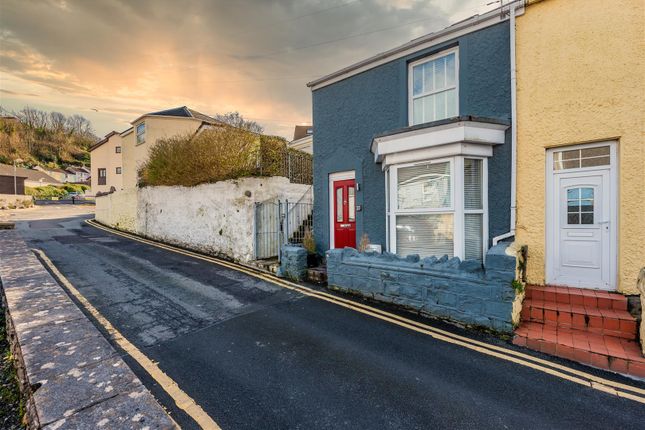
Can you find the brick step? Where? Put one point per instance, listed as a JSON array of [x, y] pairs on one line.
[[610, 322], [577, 296], [602, 351]]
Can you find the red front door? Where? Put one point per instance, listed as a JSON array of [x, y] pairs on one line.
[[344, 214]]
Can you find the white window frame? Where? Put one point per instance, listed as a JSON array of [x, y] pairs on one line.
[[136, 133], [456, 208], [412, 97]]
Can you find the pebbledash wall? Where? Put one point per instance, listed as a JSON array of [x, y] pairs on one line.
[[217, 218], [580, 72], [349, 113], [460, 291]]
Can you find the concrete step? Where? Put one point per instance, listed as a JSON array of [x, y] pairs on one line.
[[577, 296], [612, 322], [597, 350]]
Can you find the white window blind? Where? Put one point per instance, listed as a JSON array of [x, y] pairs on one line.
[[424, 186], [428, 234], [473, 183], [473, 237]]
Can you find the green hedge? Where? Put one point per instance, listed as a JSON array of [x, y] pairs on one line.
[[52, 191]]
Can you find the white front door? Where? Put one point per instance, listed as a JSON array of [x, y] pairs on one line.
[[581, 249]]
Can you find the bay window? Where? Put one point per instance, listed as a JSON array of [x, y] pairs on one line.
[[437, 207]]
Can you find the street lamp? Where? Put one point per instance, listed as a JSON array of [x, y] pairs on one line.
[[15, 181]]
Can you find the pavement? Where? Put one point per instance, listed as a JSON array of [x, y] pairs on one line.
[[255, 355]]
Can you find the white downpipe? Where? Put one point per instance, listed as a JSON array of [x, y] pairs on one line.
[[511, 233]]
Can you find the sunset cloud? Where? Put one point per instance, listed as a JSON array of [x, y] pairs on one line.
[[124, 58]]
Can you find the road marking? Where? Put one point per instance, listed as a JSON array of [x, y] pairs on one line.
[[555, 369], [182, 400]]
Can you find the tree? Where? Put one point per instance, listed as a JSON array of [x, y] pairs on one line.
[[235, 119]]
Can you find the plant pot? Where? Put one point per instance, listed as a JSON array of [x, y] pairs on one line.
[[312, 260]]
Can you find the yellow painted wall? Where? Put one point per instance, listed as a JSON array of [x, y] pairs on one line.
[[106, 157], [156, 128], [581, 78]]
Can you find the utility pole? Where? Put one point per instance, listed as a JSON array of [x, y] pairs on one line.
[[15, 181]]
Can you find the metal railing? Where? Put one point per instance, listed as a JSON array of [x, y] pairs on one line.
[[279, 222]]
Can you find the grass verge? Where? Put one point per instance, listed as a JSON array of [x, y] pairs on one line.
[[11, 403]]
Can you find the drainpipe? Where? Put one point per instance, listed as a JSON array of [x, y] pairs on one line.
[[511, 233]]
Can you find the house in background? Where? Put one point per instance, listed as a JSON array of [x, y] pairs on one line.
[[58, 174], [413, 145], [33, 178], [148, 128], [77, 174], [303, 139], [106, 163], [581, 178]]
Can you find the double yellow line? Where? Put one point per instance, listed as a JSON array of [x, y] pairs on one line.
[[545, 366]]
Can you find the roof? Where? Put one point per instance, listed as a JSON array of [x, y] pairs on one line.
[[75, 169], [102, 141], [181, 112], [28, 174], [468, 25], [302, 131]]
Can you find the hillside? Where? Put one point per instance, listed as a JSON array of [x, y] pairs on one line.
[[48, 139]]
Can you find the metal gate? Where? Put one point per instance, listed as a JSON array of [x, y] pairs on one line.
[[277, 223]]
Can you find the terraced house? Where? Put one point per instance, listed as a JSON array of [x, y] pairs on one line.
[[581, 177], [413, 146], [116, 158], [413, 153]]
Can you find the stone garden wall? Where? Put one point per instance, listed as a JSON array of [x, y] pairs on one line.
[[461, 291]]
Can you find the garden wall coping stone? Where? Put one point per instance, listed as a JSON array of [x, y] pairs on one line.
[[462, 291]]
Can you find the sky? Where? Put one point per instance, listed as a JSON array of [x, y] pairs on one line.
[[113, 60]]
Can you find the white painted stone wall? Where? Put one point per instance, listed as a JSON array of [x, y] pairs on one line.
[[118, 210], [217, 218]]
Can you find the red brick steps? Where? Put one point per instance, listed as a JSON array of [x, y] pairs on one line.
[[592, 327]]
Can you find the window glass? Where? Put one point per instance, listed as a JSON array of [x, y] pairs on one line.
[[434, 91], [426, 235], [577, 158], [473, 184], [351, 200], [118, 149], [118, 170], [473, 236], [141, 133], [424, 186], [580, 206], [339, 204]]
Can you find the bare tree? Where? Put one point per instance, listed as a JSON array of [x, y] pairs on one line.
[[237, 120]]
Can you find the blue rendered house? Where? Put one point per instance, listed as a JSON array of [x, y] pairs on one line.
[[412, 147]]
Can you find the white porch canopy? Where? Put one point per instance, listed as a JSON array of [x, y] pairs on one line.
[[457, 137]]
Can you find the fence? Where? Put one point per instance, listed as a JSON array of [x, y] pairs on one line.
[[290, 163], [279, 222]]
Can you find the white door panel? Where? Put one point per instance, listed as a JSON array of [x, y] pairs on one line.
[[579, 249]]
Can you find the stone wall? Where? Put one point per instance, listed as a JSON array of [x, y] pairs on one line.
[[216, 219], [11, 201], [293, 264], [118, 210], [447, 288]]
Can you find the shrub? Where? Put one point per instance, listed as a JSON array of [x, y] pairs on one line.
[[45, 191], [309, 242], [211, 156]]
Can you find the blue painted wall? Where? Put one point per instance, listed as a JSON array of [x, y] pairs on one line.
[[349, 113]]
